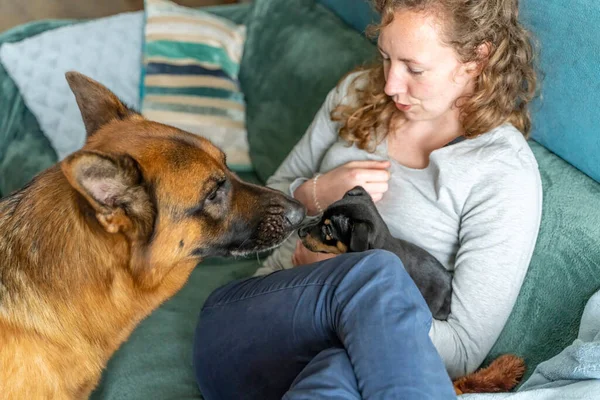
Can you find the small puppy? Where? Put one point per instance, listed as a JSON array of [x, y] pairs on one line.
[[353, 224]]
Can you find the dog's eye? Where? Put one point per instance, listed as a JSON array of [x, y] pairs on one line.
[[327, 233], [218, 188], [213, 195]]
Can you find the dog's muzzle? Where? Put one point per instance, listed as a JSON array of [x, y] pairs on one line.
[[294, 214]]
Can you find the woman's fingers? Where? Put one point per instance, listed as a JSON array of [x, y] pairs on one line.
[[369, 164], [376, 187], [370, 175], [376, 197]]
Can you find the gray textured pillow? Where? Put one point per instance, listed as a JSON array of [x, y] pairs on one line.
[[107, 49]]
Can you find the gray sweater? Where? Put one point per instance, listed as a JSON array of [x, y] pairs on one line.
[[476, 207]]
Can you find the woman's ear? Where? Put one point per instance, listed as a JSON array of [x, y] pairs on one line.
[[475, 67]]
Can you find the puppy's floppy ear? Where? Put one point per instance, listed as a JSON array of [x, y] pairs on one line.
[[356, 191], [113, 186], [361, 238], [97, 104]]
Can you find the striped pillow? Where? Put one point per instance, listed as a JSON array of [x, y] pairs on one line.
[[191, 62]]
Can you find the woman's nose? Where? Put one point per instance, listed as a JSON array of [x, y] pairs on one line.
[[396, 83]]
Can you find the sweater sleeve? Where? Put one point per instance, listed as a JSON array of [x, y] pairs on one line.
[[498, 231], [304, 160]]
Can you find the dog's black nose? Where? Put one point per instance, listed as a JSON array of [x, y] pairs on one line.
[[295, 214]]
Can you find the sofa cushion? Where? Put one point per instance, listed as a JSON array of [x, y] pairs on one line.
[[564, 270], [191, 62], [296, 51], [106, 49]]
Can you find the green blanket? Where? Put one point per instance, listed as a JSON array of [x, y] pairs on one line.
[[155, 362]]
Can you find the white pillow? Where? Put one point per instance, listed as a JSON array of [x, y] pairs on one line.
[[107, 50]]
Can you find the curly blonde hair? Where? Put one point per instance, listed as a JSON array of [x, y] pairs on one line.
[[503, 88]]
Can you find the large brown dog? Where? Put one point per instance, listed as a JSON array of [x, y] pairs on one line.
[[92, 245]]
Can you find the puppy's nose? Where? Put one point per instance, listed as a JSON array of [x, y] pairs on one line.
[[295, 214], [303, 231], [308, 223]]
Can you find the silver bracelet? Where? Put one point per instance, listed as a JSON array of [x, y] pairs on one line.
[[316, 177]]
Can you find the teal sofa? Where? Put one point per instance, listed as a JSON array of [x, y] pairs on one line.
[[296, 51]]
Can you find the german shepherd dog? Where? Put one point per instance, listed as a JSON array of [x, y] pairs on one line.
[[353, 224], [95, 243]]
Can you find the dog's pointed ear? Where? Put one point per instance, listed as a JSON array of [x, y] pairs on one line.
[[97, 104], [112, 185], [361, 238]]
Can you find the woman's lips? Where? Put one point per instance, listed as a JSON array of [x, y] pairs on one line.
[[403, 107]]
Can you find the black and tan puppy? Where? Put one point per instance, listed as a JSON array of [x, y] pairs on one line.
[[353, 224]]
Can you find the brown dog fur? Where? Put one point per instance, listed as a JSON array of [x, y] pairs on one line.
[[92, 245]]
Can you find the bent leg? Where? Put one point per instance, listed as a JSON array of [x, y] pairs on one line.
[[328, 376], [255, 336]]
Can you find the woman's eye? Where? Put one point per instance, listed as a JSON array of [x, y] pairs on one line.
[[415, 72]]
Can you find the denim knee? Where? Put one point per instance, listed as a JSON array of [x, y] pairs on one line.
[[382, 256], [383, 266], [382, 262]]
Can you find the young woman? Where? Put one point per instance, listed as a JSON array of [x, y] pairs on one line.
[[436, 134]]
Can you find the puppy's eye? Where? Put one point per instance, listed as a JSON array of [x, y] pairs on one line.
[[327, 233]]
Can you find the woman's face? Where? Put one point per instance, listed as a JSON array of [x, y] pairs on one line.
[[423, 75]]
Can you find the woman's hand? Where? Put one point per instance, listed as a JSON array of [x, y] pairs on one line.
[[303, 256], [373, 176]]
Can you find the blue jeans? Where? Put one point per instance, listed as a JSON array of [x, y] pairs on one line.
[[351, 327]]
